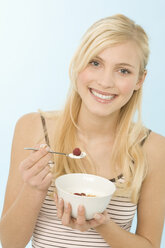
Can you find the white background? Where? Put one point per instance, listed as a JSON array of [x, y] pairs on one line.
[[37, 41]]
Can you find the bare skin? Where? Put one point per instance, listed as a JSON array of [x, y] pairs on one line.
[[29, 176]]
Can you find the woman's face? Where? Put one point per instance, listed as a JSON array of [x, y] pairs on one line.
[[110, 78]]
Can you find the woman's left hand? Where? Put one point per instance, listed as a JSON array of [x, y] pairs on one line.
[[81, 224]]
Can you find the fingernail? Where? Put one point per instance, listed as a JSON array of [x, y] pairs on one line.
[[47, 148], [67, 205], [43, 145], [60, 201], [55, 196], [81, 208], [97, 217], [51, 164]]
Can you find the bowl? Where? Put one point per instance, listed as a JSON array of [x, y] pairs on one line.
[[98, 191]]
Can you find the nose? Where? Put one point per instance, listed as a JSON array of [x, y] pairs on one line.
[[106, 79]]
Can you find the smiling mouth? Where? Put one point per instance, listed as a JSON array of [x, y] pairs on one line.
[[102, 96]]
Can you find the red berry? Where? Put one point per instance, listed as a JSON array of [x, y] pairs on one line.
[[77, 152], [83, 194]]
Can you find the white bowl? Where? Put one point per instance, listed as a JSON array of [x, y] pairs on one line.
[[102, 188]]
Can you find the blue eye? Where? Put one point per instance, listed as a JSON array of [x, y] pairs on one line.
[[94, 63], [124, 71]]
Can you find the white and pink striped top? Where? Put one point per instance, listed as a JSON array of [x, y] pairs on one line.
[[49, 231]]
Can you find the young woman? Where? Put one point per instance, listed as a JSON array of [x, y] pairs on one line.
[[107, 74]]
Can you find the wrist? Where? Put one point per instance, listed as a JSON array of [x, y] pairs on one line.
[[105, 226], [33, 191]]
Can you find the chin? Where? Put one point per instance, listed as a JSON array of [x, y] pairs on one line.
[[100, 113]]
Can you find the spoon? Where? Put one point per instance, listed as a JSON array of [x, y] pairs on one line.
[[71, 155]]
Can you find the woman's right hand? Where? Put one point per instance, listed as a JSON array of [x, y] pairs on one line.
[[35, 169]]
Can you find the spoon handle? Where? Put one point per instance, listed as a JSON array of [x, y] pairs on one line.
[[34, 149]]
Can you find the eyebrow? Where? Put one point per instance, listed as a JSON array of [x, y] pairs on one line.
[[119, 64]]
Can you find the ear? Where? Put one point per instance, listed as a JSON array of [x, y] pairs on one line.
[[140, 81]]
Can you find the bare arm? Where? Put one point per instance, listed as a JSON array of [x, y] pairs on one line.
[[28, 181]]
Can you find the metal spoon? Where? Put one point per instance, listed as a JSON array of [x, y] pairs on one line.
[[71, 155]]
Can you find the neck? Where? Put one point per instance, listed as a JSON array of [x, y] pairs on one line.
[[93, 127]]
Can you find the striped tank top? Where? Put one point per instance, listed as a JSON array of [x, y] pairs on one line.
[[49, 231]]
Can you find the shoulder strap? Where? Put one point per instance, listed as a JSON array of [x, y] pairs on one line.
[[45, 130], [143, 141]]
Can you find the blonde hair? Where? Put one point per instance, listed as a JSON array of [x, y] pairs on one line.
[[127, 152]]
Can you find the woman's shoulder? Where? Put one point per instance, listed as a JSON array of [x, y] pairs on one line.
[[29, 125], [33, 119], [155, 150], [27, 128], [155, 141], [28, 122], [36, 116], [28, 117]]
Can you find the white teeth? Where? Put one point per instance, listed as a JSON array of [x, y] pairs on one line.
[[102, 96]]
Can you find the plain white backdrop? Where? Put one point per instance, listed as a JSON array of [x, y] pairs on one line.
[[37, 41]]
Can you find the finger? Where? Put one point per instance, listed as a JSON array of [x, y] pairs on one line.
[[101, 218], [46, 181], [34, 158], [28, 174], [51, 164], [56, 198], [39, 166], [60, 208], [42, 174], [81, 215], [37, 180], [67, 214], [38, 147]]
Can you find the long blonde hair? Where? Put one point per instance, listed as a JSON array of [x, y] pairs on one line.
[[127, 152]]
